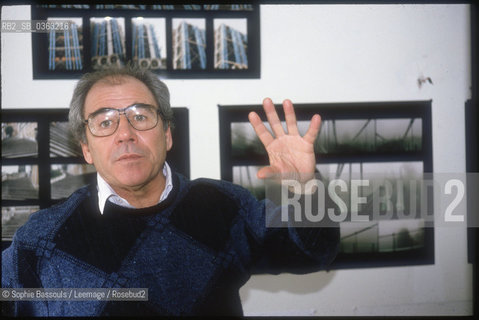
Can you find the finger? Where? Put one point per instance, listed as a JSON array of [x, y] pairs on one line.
[[261, 131], [273, 118], [265, 173], [313, 129], [290, 116]]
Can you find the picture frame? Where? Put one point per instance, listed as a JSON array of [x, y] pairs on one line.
[[173, 41], [355, 140], [472, 167]]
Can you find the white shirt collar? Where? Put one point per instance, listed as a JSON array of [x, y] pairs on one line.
[[106, 192]]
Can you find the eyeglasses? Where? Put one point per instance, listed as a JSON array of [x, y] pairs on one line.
[[104, 122]]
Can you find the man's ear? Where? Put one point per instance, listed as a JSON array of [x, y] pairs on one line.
[[169, 139], [86, 153]]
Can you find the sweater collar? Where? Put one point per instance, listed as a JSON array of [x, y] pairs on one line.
[[106, 192]]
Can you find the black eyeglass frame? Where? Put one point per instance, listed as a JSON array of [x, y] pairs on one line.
[[121, 112]]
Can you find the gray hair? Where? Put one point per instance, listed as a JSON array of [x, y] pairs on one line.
[[116, 76]]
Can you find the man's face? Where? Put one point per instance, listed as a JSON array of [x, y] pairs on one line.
[[128, 159]]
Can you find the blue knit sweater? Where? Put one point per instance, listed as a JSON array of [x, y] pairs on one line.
[[193, 252]]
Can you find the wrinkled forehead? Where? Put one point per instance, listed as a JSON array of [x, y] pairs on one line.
[[117, 89], [115, 80]]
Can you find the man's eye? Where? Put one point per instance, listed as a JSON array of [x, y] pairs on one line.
[[105, 124], [140, 118]]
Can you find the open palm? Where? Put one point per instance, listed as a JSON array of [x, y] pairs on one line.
[[290, 155]]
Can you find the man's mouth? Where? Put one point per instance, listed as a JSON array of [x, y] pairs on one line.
[[129, 157]]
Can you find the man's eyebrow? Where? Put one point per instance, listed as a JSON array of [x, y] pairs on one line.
[[142, 103], [112, 108], [101, 110], [146, 103]]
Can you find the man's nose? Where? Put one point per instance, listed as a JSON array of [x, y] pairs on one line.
[[125, 131]]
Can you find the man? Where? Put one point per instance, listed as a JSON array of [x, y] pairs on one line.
[[192, 244]]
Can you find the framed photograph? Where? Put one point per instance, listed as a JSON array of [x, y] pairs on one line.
[[20, 182], [13, 218], [375, 141], [231, 44], [174, 41], [189, 44], [62, 143], [66, 178], [148, 40], [60, 52], [27, 180], [363, 136], [19, 139], [65, 48], [107, 42]]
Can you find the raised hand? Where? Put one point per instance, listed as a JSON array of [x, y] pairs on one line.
[[290, 155]]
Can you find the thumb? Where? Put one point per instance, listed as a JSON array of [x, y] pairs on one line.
[[265, 172]]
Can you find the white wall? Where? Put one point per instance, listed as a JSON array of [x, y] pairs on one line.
[[325, 53]]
